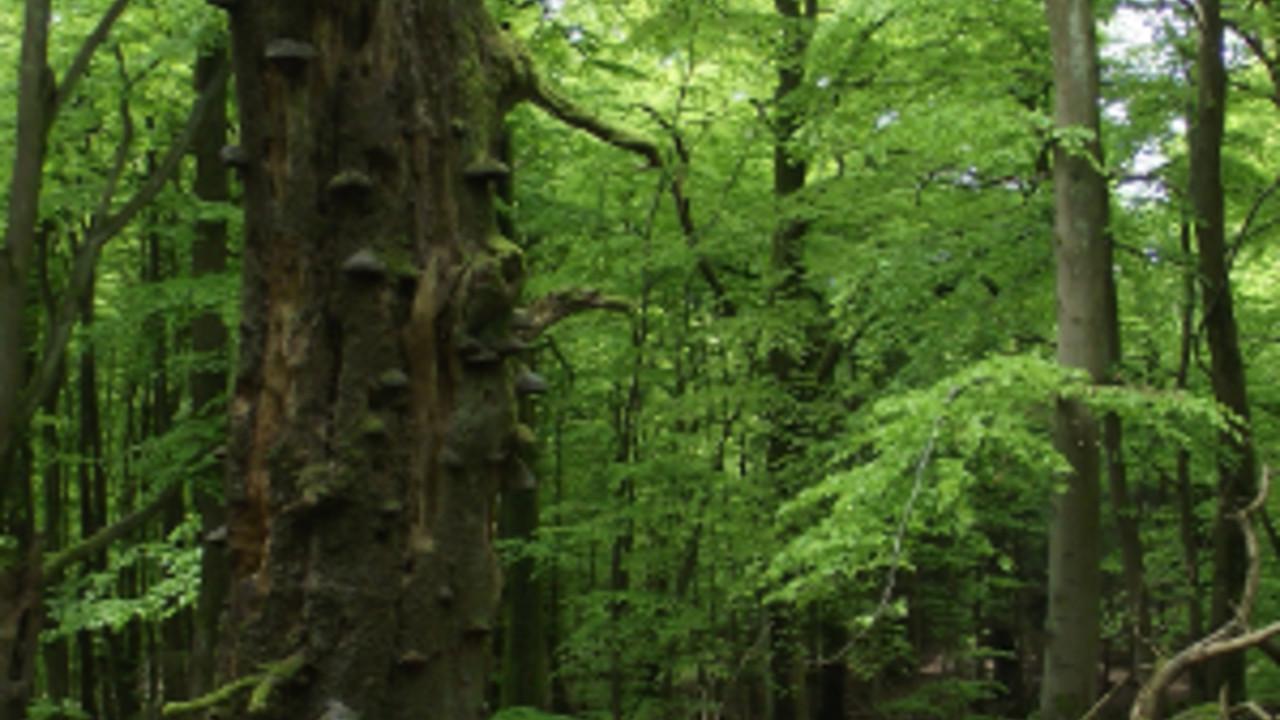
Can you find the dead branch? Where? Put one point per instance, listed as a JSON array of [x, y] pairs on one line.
[[1233, 636], [554, 307]]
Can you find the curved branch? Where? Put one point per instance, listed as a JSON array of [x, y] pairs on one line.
[[1235, 635], [84, 55], [554, 307], [101, 231], [573, 115], [527, 84]]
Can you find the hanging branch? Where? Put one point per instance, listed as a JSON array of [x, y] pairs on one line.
[[1234, 636]]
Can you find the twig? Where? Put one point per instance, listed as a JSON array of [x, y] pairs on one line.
[[895, 561]]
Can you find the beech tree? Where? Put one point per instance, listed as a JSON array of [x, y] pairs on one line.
[[1086, 333]]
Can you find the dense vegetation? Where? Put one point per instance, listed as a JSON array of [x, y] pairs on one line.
[[796, 359]]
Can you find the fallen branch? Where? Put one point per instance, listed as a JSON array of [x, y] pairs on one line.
[[262, 683], [1233, 636]]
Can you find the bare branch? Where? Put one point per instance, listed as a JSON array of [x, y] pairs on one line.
[[100, 232], [1246, 228], [573, 115], [85, 55], [528, 85], [554, 307], [1232, 636], [83, 550], [122, 148]]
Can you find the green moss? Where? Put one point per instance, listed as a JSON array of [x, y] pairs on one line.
[[373, 425]]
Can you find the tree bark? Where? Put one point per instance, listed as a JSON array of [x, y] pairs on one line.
[[1086, 327], [1237, 465], [372, 418]]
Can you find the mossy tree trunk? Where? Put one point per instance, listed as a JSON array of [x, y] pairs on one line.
[[372, 417]]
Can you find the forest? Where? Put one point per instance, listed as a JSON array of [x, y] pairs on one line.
[[639, 359]]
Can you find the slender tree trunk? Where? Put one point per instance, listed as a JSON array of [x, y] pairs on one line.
[[1188, 526], [56, 652], [525, 681], [786, 368], [34, 90], [1086, 327], [91, 485], [209, 340], [1237, 464]]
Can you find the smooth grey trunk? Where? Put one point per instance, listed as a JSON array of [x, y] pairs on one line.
[[1086, 320]]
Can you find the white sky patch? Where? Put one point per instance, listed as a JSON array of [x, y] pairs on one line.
[[1130, 37], [1127, 32], [886, 119]]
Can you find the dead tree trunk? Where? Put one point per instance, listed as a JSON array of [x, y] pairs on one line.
[[372, 420]]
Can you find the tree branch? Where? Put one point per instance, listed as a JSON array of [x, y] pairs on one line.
[[100, 232], [528, 85], [83, 550], [1232, 636], [85, 55], [573, 115], [554, 307], [1246, 228]]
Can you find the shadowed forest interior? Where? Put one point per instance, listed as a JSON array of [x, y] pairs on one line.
[[639, 359]]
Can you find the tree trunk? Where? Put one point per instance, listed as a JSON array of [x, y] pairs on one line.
[[372, 419], [525, 681], [21, 583], [209, 340], [91, 503], [1237, 464], [787, 368], [1086, 326], [24, 206], [1189, 530]]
